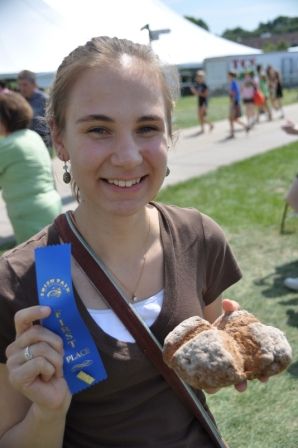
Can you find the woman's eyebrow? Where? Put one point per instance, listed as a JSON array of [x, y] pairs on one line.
[[150, 118], [95, 117], [105, 118]]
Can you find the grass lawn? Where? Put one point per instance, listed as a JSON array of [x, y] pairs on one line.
[[186, 108], [246, 199]]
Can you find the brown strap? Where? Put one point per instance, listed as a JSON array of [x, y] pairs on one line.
[[88, 261]]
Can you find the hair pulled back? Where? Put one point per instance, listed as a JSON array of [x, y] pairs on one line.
[[104, 52]]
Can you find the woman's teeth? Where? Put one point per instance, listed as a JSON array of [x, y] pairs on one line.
[[124, 183]]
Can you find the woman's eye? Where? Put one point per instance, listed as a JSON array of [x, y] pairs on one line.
[[98, 130], [148, 129]]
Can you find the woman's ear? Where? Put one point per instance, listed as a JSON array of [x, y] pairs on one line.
[[58, 143]]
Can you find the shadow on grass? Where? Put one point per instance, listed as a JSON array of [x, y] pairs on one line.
[[274, 282], [292, 302], [292, 318], [293, 369]]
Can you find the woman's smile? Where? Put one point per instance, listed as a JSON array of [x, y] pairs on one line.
[[124, 183]]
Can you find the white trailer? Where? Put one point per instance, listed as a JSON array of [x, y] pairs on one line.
[[285, 62]]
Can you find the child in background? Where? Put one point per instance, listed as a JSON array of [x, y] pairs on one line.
[[200, 89], [235, 107]]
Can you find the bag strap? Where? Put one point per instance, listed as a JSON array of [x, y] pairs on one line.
[[150, 346]]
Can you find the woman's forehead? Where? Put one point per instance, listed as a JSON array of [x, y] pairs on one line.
[[104, 90], [109, 80]]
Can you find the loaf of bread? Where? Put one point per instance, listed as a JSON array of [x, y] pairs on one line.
[[236, 347]]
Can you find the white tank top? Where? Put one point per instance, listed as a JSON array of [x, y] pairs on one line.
[[147, 309]]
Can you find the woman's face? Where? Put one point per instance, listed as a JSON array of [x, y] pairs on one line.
[[116, 138]]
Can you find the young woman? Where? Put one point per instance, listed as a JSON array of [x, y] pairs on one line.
[[110, 113]]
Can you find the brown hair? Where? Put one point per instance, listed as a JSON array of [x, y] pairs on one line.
[[232, 73], [15, 112], [27, 75], [101, 52]]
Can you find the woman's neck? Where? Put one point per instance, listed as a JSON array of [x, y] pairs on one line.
[[129, 246], [112, 236]]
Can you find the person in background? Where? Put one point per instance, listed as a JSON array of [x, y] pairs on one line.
[[235, 104], [26, 178], [37, 100], [292, 129], [271, 84], [275, 89], [278, 94], [110, 112], [3, 88], [262, 84], [200, 89], [248, 89]]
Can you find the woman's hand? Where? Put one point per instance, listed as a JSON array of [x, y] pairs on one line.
[[39, 376], [229, 306]]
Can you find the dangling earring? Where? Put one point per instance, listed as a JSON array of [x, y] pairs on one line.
[[66, 174], [168, 171]]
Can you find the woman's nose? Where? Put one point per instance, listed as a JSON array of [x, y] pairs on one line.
[[127, 153]]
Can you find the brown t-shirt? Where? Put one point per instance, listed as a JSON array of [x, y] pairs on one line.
[[134, 407]]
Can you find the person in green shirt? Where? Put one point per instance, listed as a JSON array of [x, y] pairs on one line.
[[264, 88], [26, 178]]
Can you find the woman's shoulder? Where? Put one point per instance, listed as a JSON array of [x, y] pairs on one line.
[[190, 217], [175, 212], [20, 259], [23, 139]]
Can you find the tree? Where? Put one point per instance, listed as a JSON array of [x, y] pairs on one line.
[[279, 46], [236, 34], [198, 22], [279, 25]]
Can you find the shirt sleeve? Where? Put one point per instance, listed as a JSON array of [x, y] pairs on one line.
[[11, 298], [221, 267]]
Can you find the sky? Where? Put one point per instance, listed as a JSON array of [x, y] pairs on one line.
[[220, 15]]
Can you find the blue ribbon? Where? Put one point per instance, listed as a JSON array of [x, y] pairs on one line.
[[82, 364]]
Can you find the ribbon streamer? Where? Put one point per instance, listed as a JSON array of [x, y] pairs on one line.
[[82, 364]]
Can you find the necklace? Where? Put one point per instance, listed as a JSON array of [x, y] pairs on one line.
[[143, 262]]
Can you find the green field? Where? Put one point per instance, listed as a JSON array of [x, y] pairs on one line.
[[247, 200]]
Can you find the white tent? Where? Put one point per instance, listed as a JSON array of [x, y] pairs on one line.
[[37, 34]]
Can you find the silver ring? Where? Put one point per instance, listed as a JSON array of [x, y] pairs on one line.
[[28, 355]]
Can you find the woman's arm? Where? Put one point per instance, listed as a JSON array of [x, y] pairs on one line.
[[34, 397], [21, 425]]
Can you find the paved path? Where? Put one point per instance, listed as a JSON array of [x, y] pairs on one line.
[[195, 154]]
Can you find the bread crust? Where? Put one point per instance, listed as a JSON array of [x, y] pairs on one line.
[[236, 347]]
